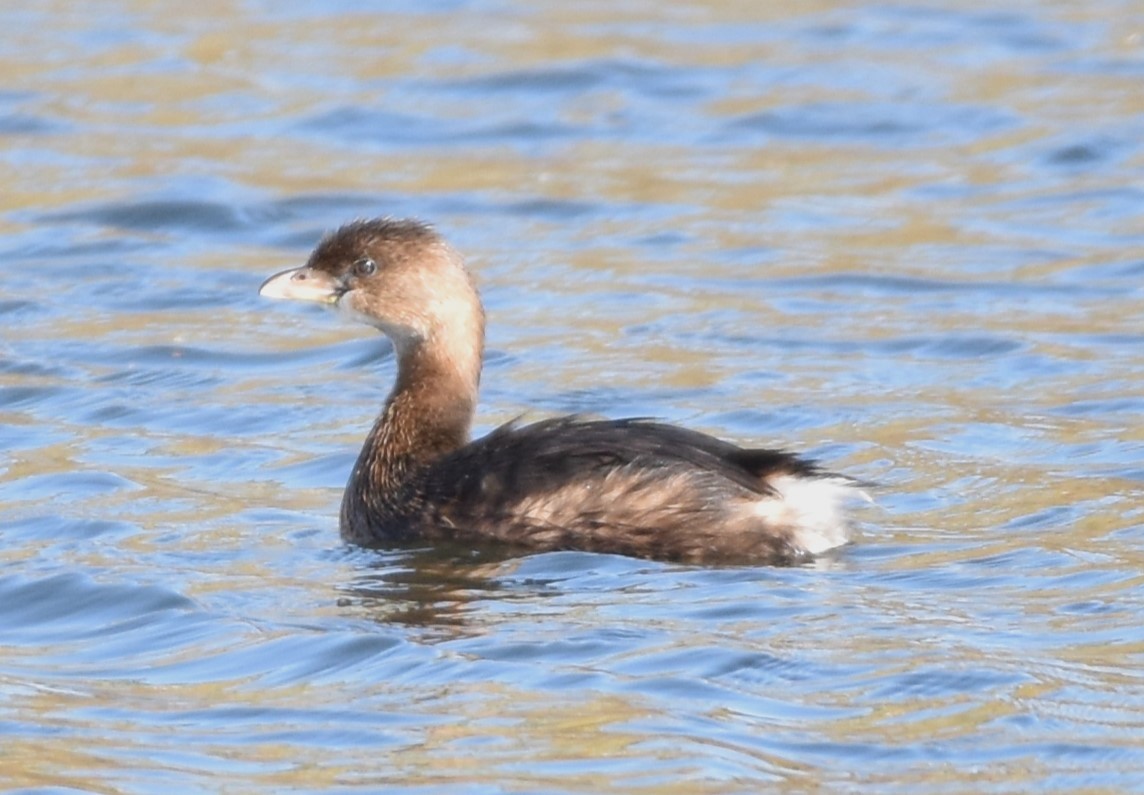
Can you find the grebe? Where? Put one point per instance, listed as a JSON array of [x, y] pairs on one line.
[[631, 486]]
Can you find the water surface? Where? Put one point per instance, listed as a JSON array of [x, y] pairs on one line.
[[906, 239]]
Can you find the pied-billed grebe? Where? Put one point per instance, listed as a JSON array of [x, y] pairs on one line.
[[632, 487]]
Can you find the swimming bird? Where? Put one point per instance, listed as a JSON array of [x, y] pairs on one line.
[[628, 486]]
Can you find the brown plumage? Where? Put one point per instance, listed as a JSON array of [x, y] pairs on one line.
[[632, 487]]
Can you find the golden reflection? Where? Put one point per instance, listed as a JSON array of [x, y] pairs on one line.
[[979, 461]]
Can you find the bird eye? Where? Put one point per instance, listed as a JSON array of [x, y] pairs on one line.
[[365, 267]]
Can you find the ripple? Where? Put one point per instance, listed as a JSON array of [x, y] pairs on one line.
[[382, 128], [73, 608], [63, 528], [17, 397], [159, 214], [641, 77], [888, 124], [20, 124], [75, 485], [1082, 154]]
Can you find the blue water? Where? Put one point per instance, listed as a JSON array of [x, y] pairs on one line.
[[906, 240]]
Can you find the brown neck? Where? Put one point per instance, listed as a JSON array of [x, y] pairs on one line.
[[430, 410], [428, 415]]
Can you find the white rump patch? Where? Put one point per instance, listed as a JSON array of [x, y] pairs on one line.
[[812, 507]]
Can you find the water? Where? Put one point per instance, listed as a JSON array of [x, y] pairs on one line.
[[905, 239]]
